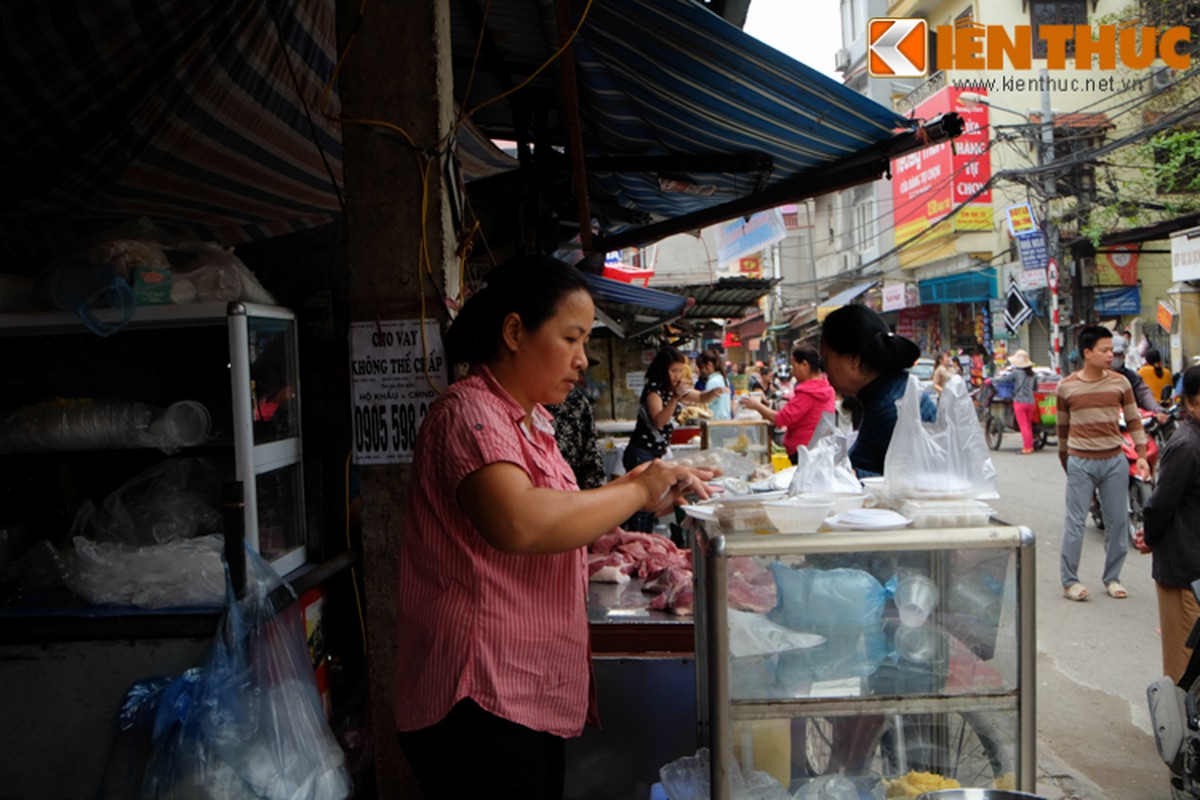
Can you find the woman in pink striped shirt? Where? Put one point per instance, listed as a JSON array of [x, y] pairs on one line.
[[493, 664]]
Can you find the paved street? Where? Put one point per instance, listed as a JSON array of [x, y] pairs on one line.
[[1094, 658]]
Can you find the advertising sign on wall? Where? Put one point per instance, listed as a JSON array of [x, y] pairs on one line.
[[1185, 255], [894, 296], [746, 236], [394, 369], [928, 184], [1117, 266], [1126, 300]]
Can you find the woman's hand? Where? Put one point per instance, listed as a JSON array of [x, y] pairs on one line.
[[667, 484], [749, 402]]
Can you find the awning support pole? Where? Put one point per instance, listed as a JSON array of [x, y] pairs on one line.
[[570, 95]]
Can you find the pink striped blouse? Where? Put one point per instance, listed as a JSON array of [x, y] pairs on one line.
[[508, 631]]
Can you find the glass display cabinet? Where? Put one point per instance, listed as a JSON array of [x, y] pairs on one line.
[[882, 656], [749, 437], [234, 369]]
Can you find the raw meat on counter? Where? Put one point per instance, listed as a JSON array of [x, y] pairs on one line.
[[666, 570], [678, 598]]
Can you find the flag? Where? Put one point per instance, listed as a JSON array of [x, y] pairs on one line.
[[1016, 307]]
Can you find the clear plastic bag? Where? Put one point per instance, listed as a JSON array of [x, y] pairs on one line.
[[942, 459], [169, 269], [187, 572], [247, 723], [731, 464], [176, 499], [688, 778], [845, 606], [823, 466]]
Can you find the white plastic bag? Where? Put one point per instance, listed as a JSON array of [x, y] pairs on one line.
[[823, 467], [942, 459], [247, 724]]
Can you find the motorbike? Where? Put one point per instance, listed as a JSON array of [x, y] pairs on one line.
[[997, 416], [1175, 716], [1139, 489]]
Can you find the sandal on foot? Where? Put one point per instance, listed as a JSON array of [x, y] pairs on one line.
[[1076, 592], [1116, 590]]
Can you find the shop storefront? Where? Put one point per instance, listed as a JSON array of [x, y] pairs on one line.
[[963, 303]]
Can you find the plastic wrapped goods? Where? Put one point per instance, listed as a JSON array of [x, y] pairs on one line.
[[944, 459], [181, 573], [176, 499], [247, 723], [84, 424]]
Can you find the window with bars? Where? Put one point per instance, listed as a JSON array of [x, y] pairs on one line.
[[1055, 12], [864, 223]]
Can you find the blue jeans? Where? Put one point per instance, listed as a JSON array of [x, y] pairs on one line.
[[1110, 476]]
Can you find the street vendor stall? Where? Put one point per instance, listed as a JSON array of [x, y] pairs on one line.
[[851, 673], [865, 637]]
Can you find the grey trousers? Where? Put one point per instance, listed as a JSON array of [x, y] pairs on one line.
[[1111, 477]]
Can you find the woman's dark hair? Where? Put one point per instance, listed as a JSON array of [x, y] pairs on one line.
[[1191, 382], [659, 370], [529, 286], [859, 331], [803, 355], [710, 357], [1154, 359]]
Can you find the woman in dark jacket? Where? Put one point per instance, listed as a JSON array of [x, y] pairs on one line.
[[1171, 531], [865, 360]]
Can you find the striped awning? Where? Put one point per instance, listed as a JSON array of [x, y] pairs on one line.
[[670, 79], [206, 117], [685, 119], [201, 116]]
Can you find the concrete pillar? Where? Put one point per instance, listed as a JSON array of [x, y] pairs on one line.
[[398, 72]]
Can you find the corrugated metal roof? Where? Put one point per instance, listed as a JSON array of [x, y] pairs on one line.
[[729, 298]]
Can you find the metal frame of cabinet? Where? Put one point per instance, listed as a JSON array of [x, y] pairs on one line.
[[253, 459], [718, 710]]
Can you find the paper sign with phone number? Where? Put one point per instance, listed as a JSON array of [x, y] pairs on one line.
[[395, 374]]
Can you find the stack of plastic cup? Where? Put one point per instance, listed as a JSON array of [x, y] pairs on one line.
[[183, 424], [916, 597]]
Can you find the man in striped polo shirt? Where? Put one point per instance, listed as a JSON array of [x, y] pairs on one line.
[[1090, 404]]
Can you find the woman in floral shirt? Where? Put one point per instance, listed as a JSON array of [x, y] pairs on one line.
[[665, 389]]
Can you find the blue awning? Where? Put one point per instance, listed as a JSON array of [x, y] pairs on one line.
[[609, 290], [976, 286], [685, 119], [198, 116], [673, 78]]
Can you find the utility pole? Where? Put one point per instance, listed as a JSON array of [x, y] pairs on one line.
[[1046, 156]]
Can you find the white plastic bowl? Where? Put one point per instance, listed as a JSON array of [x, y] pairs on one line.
[[797, 514]]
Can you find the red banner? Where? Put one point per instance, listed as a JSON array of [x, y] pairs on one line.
[[928, 184]]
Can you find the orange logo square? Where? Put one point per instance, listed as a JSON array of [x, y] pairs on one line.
[[897, 47]]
